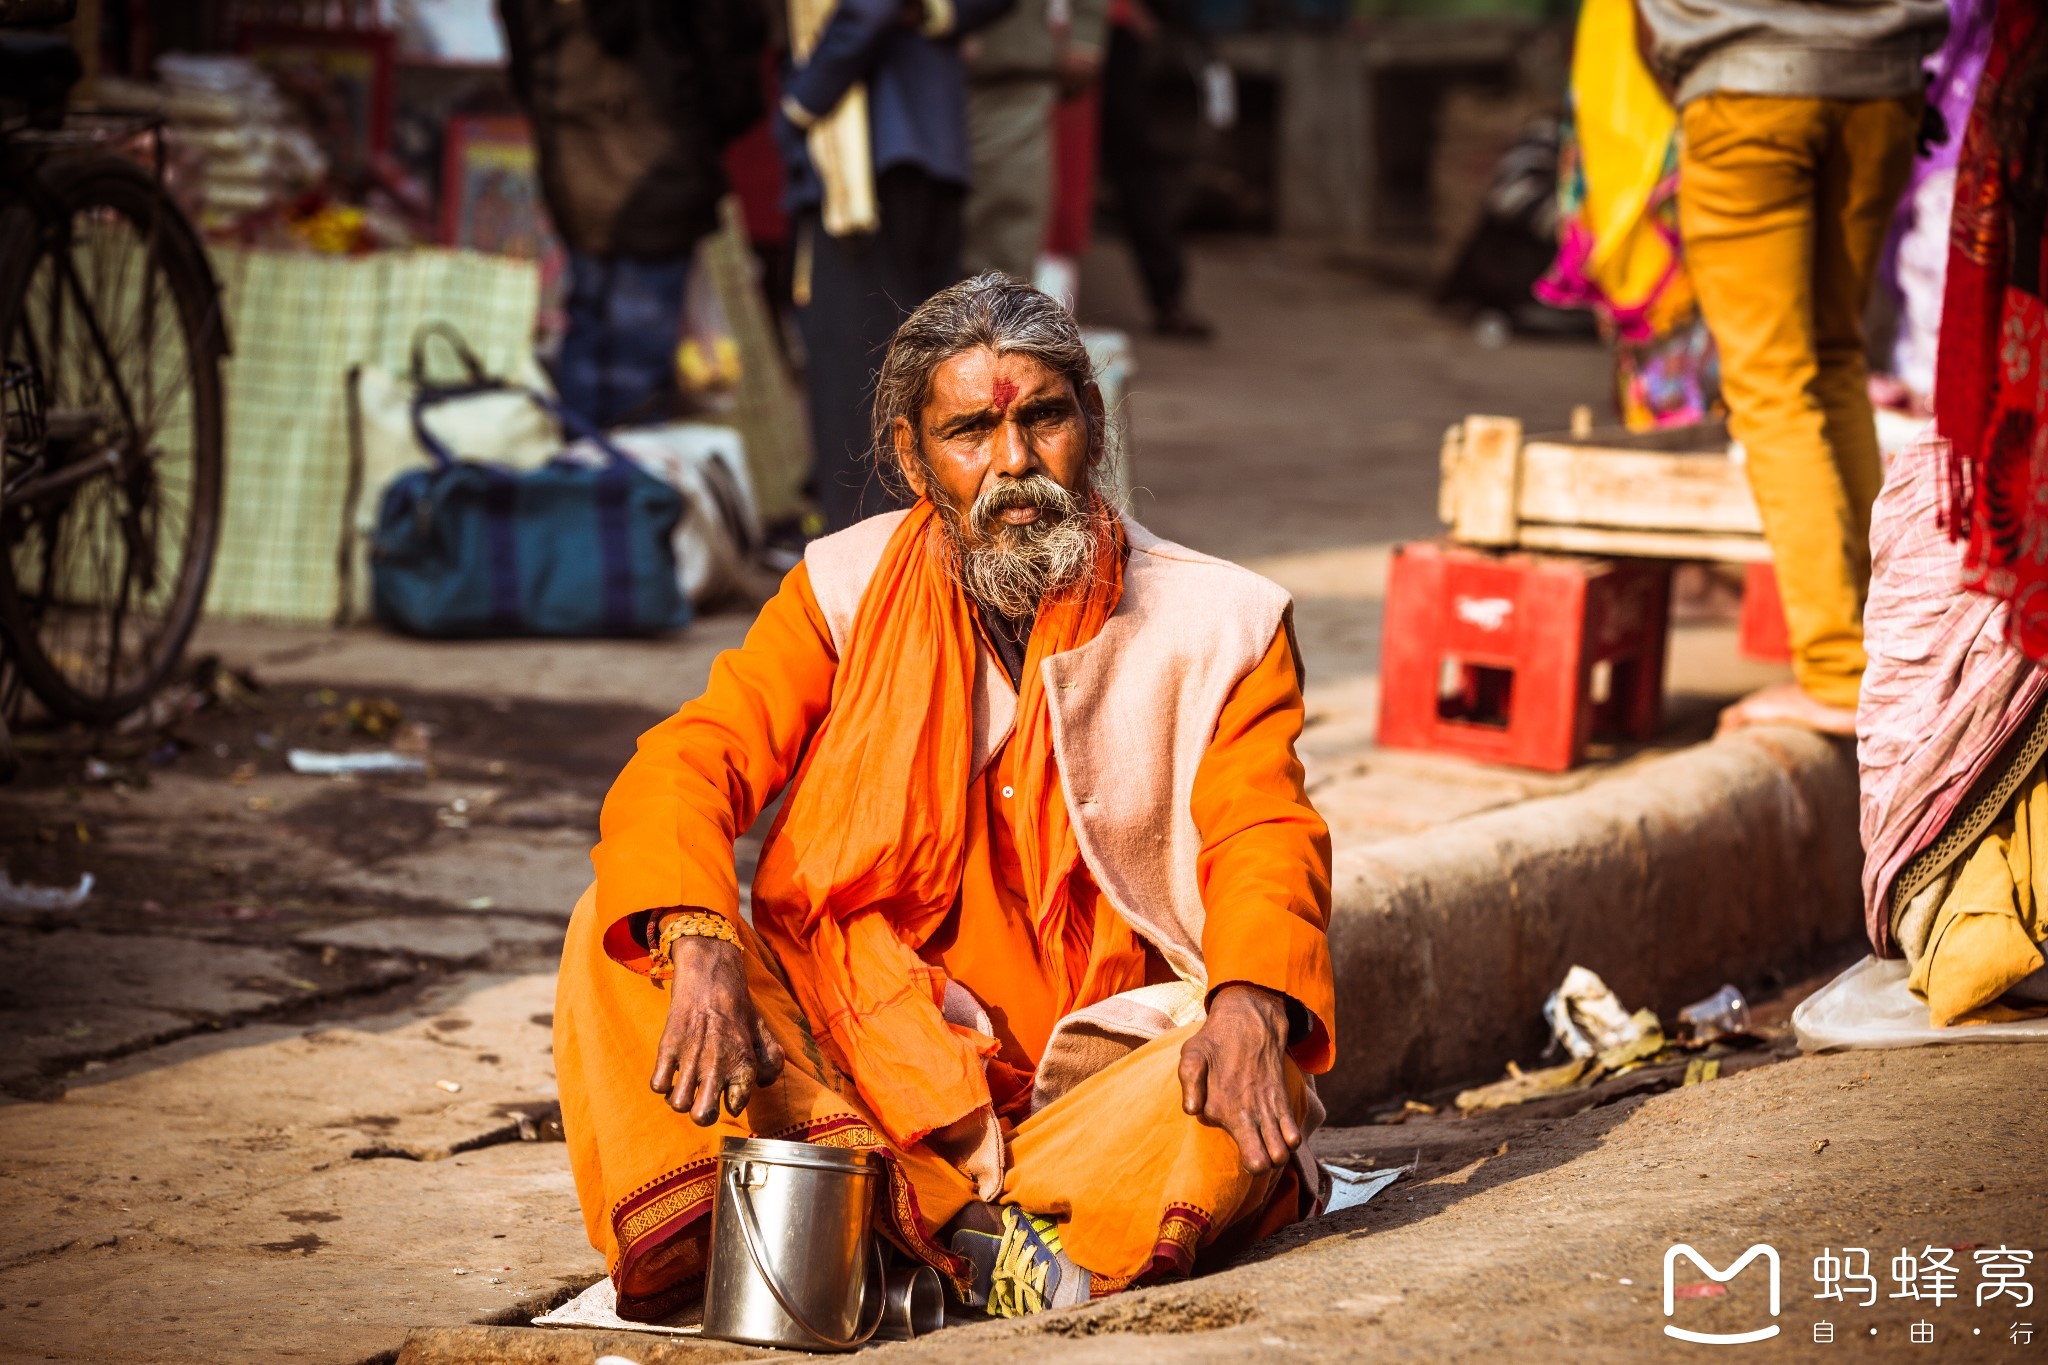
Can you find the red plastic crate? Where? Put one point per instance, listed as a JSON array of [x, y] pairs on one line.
[[1763, 616], [1520, 658]]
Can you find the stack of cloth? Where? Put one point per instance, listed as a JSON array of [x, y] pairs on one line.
[[237, 149]]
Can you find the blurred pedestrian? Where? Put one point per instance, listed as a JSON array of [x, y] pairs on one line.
[[1070, 220], [1018, 70], [1799, 119], [1618, 251], [631, 102], [873, 128], [1150, 105]]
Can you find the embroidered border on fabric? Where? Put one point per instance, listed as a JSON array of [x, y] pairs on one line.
[[631, 1227], [1977, 812], [1181, 1233], [909, 1222], [1182, 1230]]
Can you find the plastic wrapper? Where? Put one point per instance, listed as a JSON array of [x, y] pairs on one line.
[[1587, 1018], [1870, 1006]]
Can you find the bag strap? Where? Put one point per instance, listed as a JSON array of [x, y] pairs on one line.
[[474, 374]]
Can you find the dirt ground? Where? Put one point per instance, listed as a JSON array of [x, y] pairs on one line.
[[1549, 1244], [281, 1087]]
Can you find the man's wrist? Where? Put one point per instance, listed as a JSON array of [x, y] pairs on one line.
[[1270, 1005], [1287, 1017], [682, 925]]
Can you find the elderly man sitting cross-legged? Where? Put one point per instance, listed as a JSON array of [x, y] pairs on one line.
[[1042, 916]]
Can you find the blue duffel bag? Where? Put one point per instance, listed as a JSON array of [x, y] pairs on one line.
[[466, 549]]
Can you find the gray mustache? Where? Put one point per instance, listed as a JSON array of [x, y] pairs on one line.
[[1034, 490]]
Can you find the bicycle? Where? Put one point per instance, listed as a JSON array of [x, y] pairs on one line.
[[110, 456]]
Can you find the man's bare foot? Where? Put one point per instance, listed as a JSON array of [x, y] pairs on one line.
[[1788, 704]]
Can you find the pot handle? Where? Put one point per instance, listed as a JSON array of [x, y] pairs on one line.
[[750, 1233]]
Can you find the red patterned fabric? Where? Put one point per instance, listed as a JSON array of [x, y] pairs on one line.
[[1991, 378]]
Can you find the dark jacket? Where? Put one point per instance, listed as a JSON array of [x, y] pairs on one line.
[[917, 88], [632, 102]]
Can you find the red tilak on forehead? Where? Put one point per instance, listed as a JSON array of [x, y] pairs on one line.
[[1001, 394]]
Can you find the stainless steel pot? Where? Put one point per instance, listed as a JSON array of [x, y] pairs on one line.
[[794, 1257]]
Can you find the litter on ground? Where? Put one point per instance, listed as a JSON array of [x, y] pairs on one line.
[[1349, 1188], [27, 896], [383, 761], [1869, 1005]]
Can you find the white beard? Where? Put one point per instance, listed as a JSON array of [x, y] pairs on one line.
[[1011, 569]]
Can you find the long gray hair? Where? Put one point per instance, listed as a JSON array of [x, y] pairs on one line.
[[992, 311]]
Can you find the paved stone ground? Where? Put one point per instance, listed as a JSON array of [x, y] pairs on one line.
[[273, 1086]]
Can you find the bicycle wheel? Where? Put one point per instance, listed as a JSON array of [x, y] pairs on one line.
[[109, 520]]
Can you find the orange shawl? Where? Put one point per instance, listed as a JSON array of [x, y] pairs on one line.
[[864, 863]]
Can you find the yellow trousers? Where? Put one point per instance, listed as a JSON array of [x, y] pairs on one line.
[[1783, 205]]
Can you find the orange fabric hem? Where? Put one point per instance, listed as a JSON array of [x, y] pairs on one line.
[[1188, 1237]]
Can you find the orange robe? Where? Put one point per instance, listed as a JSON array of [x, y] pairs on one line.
[[1139, 1187]]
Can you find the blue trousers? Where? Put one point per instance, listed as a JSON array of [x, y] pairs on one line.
[[618, 356]]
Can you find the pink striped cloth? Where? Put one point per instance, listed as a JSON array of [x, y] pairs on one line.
[[1943, 692]]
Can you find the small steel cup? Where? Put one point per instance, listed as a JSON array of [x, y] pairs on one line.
[[913, 1303]]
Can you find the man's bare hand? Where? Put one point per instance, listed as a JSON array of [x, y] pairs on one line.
[[714, 1045], [1233, 1075]]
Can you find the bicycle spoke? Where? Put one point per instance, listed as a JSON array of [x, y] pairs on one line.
[[125, 312], [121, 595], [146, 324], [99, 342], [32, 349], [55, 304], [177, 386]]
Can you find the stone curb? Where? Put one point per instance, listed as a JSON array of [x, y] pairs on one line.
[[556, 1346], [1713, 865]]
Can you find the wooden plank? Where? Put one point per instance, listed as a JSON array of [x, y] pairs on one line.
[[1638, 544], [1577, 485], [1449, 452], [1702, 438], [1482, 481]]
